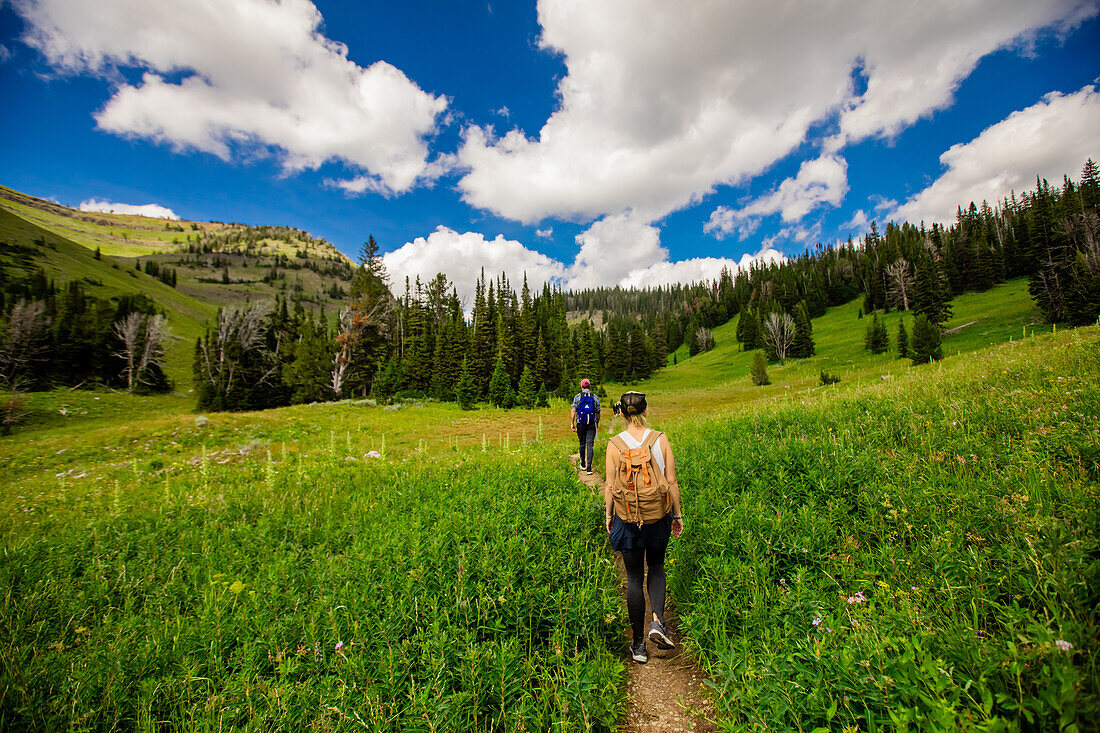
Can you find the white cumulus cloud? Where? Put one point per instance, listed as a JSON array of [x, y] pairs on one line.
[[242, 73], [463, 256], [697, 269], [155, 211], [662, 102], [820, 181], [617, 250], [1048, 139]]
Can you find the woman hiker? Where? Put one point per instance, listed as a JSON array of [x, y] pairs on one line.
[[585, 417], [642, 510]]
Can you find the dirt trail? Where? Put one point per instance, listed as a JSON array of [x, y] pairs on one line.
[[665, 693]]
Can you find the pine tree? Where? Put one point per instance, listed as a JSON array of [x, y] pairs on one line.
[[466, 391], [925, 345], [499, 385], [542, 398], [388, 380], [875, 338], [527, 390], [481, 341], [931, 292], [759, 371], [308, 374], [803, 344], [903, 340], [749, 326]]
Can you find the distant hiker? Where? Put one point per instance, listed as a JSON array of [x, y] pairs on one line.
[[585, 416], [642, 510]]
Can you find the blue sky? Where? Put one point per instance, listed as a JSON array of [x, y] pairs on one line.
[[588, 142]]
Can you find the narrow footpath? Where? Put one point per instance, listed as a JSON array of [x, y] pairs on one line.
[[665, 693]]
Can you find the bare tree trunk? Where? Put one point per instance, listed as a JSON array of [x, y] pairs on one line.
[[26, 341], [901, 282], [129, 331], [152, 351], [779, 333]]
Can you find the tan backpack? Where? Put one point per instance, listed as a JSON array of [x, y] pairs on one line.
[[639, 486]]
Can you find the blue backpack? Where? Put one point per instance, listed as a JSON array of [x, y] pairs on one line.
[[586, 409]]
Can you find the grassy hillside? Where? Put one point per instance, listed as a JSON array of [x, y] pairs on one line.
[[216, 264], [31, 246], [220, 563], [719, 379], [914, 546], [127, 235], [913, 554]]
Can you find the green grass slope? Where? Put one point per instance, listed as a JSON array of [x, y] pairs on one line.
[[166, 571], [64, 260], [241, 254], [62, 241], [719, 379], [917, 554]]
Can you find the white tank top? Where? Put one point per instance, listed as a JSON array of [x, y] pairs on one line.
[[633, 444]]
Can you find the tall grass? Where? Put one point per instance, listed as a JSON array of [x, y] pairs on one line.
[[452, 591], [915, 555]]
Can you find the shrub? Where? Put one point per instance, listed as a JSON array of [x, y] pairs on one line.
[[875, 338], [827, 378], [925, 346], [759, 370]]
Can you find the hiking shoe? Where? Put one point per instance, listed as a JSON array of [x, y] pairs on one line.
[[637, 651], [589, 472], [658, 634]]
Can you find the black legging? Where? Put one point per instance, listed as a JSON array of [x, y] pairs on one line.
[[634, 562]]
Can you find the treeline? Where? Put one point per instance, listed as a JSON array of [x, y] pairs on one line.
[[245, 239], [62, 336], [166, 275], [1050, 235], [515, 349]]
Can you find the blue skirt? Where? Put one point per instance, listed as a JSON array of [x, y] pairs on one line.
[[629, 537]]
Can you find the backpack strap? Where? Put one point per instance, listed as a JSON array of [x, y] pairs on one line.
[[650, 439]]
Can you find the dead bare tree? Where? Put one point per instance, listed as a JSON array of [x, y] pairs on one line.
[[345, 341], [900, 283], [237, 333], [779, 333], [143, 340], [26, 344], [129, 331]]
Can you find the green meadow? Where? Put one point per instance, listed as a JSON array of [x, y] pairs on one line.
[[914, 548]]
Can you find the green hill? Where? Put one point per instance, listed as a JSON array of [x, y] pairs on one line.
[[214, 264], [720, 377]]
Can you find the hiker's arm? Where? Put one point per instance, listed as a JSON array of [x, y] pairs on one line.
[[573, 418], [610, 468], [673, 487]]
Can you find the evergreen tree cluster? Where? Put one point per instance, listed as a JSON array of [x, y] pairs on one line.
[[515, 349], [53, 335], [166, 275]]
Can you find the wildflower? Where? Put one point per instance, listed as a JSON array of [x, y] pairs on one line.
[[857, 598], [339, 647], [912, 587], [817, 621], [782, 581], [1064, 645]]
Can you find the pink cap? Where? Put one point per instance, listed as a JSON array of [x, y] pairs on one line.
[[585, 383]]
